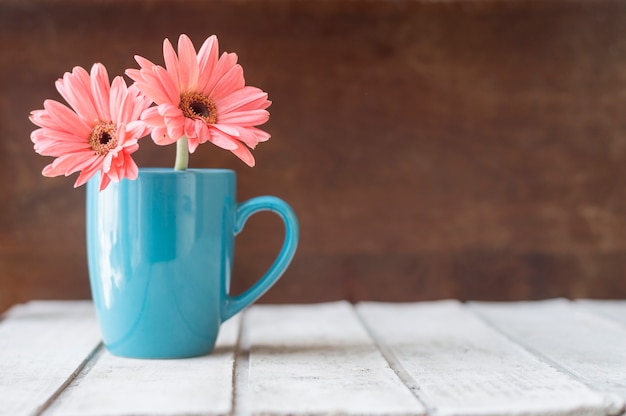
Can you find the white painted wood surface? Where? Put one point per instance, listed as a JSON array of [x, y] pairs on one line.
[[461, 366], [584, 345], [612, 309], [439, 358], [122, 386], [42, 345], [318, 360]]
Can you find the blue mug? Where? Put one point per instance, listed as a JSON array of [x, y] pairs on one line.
[[160, 255]]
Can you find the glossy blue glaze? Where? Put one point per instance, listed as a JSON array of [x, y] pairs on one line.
[[160, 254]]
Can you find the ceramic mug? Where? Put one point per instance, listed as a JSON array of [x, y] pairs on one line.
[[160, 255]]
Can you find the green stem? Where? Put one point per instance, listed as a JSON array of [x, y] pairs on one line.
[[182, 154]]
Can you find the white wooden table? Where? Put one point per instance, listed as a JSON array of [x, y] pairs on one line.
[[442, 358]]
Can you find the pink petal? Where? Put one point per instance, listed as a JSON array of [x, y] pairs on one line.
[[169, 110], [207, 60], [261, 135], [73, 89], [101, 88], [139, 101], [192, 143], [244, 154], [246, 98], [224, 64], [152, 117], [131, 171], [106, 164], [73, 162], [245, 118], [175, 126], [251, 136], [104, 182], [153, 90], [160, 137], [222, 140], [62, 136], [137, 129], [188, 64], [201, 131], [135, 74], [232, 81], [168, 85], [65, 119], [121, 107], [88, 172], [37, 135], [230, 130], [171, 62], [189, 128], [143, 62], [41, 119], [121, 137]]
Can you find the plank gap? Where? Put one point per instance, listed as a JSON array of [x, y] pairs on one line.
[[241, 368], [540, 356], [614, 405], [395, 364], [77, 376]]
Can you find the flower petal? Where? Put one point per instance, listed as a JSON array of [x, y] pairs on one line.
[[230, 130], [188, 64], [143, 62], [230, 82], [120, 111], [224, 64], [65, 119], [244, 154], [222, 140], [207, 60], [152, 117], [246, 98], [153, 90], [168, 85], [76, 90], [101, 89], [105, 180], [245, 118], [171, 62]]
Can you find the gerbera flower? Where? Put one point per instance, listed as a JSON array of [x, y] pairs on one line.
[[202, 98], [99, 132]]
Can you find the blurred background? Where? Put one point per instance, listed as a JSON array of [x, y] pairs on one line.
[[431, 149]]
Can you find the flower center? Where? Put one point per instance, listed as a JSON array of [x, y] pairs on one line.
[[198, 106], [103, 138]]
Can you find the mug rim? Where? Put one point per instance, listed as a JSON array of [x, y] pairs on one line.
[[163, 170]]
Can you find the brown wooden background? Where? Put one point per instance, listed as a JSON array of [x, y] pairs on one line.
[[469, 149]]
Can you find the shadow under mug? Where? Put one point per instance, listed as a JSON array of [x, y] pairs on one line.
[[160, 254]]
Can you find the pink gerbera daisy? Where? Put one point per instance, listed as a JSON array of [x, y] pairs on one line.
[[99, 132], [203, 98]]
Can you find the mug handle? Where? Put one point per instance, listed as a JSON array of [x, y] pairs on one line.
[[234, 304]]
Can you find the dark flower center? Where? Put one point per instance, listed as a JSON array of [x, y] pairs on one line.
[[198, 106], [103, 138]]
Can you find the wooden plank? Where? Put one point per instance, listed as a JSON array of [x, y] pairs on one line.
[[463, 367], [316, 359], [587, 346], [42, 346], [612, 309], [121, 386]]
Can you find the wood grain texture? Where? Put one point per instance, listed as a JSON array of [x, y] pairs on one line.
[[120, 386], [316, 360], [461, 366], [436, 358], [42, 347], [587, 346], [470, 149]]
